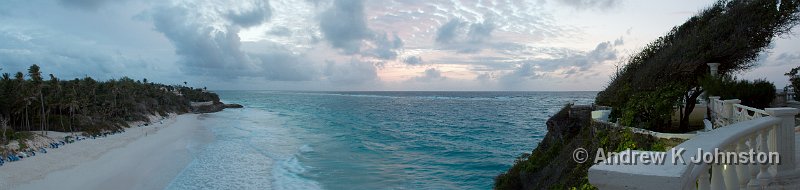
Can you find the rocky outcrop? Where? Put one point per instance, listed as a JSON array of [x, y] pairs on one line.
[[551, 164], [211, 106], [207, 107]]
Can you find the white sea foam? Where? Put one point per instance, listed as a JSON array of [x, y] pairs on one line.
[[305, 148], [286, 174]]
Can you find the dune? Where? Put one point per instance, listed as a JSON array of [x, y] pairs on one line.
[[141, 158]]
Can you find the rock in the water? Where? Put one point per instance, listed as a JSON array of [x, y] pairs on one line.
[[233, 106]]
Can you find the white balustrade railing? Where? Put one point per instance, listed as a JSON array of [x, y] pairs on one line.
[[773, 131], [727, 112], [742, 113], [741, 137], [715, 108]]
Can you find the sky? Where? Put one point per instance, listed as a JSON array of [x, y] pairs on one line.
[[471, 45]]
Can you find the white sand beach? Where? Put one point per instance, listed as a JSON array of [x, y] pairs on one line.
[[140, 158]]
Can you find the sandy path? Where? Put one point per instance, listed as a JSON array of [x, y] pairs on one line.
[[141, 158]]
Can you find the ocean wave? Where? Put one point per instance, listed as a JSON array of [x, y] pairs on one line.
[[286, 175]]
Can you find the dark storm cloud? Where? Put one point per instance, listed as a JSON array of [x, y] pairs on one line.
[[591, 4], [344, 25], [212, 51]]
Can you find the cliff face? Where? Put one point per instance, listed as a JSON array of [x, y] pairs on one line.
[[551, 164], [207, 107]]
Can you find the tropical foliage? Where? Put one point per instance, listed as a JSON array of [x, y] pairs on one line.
[[30, 103], [731, 32]]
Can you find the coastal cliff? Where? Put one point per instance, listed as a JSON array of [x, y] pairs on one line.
[[551, 164]]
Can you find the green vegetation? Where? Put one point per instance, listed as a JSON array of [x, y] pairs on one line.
[[551, 166], [666, 74], [794, 80], [757, 94], [85, 104]]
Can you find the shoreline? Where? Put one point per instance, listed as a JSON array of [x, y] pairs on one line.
[[146, 157]]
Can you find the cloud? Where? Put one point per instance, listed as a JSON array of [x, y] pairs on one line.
[[591, 4], [568, 64], [208, 42], [448, 31], [280, 64], [385, 48], [279, 31], [787, 58], [454, 35], [523, 72], [478, 32], [413, 60], [258, 12], [350, 72], [71, 56], [90, 5], [582, 61], [431, 74], [344, 25]]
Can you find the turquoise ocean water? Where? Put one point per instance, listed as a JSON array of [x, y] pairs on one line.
[[369, 140]]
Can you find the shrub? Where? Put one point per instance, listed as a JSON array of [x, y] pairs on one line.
[[758, 94], [794, 80], [650, 110]]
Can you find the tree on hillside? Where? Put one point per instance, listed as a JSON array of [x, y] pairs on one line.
[[87, 105], [666, 73]]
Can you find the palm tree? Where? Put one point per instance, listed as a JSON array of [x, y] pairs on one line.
[[22, 100], [55, 101], [36, 78]]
